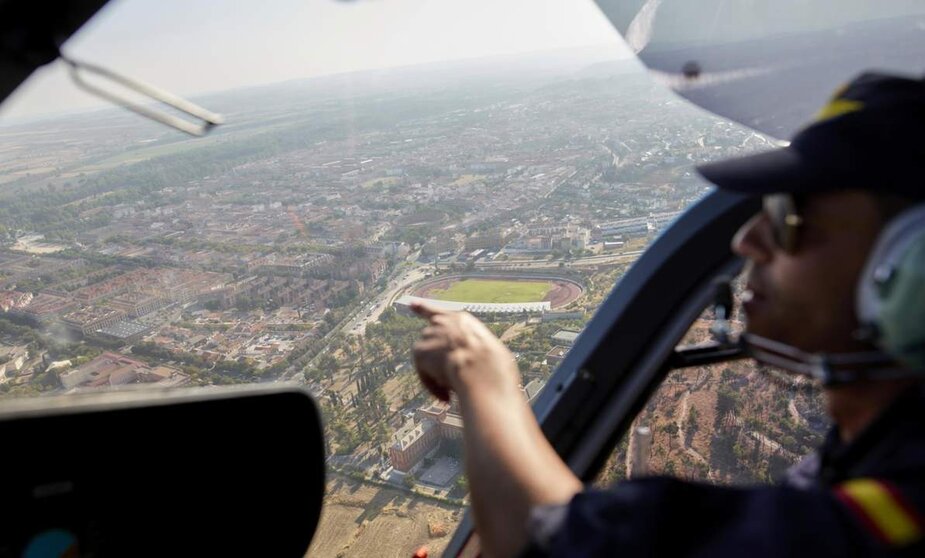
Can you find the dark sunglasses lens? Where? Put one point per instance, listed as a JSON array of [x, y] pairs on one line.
[[780, 208], [774, 208]]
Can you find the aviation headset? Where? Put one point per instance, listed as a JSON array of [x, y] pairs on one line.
[[890, 301], [868, 134], [890, 308]]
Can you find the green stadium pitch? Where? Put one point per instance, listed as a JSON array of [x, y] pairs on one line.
[[493, 291]]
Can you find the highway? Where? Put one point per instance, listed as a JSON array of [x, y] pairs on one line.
[[371, 311]]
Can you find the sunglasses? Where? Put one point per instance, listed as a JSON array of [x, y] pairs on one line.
[[783, 212]]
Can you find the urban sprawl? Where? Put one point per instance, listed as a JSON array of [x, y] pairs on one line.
[[286, 246]]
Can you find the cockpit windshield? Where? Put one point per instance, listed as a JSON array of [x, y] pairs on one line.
[[511, 159]]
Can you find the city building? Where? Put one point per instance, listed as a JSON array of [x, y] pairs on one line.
[[486, 309], [45, 307], [137, 304], [13, 357], [445, 417], [439, 245], [10, 300], [126, 331], [113, 369], [553, 316], [491, 240], [551, 237], [433, 423], [88, 319], [532, 389], [556, 355], [281, 264], [411, 443], [565, 337]]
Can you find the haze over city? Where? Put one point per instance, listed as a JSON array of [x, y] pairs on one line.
[[506, 159], [194, 47]]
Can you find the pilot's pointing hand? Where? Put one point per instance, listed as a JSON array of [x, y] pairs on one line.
[[457, 353]]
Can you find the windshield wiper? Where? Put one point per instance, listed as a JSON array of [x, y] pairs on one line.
[[204, 121]]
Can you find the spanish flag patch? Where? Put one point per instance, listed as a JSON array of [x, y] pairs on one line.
[[881, 508]]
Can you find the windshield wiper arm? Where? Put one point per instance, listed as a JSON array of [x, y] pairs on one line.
[[206, 119]]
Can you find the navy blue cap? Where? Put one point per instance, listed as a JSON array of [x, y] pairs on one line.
[[871, 136]]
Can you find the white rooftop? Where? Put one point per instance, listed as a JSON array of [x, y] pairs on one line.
[[480, 307]]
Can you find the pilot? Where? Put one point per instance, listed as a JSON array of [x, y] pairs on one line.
[[850, 185]]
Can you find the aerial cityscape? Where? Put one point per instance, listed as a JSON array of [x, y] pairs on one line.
[[287, 246]]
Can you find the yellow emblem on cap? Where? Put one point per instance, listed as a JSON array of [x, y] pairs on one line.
[[838, 107]]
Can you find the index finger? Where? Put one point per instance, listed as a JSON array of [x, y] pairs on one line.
[[426, 310]]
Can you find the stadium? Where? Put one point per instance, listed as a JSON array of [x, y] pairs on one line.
[[496, 294]]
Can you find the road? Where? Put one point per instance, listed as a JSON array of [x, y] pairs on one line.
[[371, 311], [681, 423], [624, 257]]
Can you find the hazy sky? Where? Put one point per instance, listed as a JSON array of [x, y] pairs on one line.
[[194, 46]]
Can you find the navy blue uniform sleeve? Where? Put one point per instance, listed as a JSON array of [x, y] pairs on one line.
[[668, 517]]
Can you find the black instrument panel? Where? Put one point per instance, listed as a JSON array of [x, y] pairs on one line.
[[208, 472]]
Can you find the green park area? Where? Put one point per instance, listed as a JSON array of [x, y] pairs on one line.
[[489, 290]]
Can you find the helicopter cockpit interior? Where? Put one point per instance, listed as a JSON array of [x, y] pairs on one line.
[[204, 283]]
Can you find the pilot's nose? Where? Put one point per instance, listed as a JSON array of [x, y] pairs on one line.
[[754, 240]]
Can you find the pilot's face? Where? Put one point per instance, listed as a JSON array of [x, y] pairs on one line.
[[805, 297]]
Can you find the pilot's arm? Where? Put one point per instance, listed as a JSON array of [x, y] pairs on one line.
[[525, 497], [511, 467]]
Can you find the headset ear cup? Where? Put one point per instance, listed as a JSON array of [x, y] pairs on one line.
[[890, 301], [902, 311]]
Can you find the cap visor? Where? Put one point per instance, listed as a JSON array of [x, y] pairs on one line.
[[780, 170]]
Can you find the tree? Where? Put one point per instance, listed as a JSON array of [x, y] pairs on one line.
[[328, 365], [692, 417], [461, 484], [330, 319], [410, 480], [381, 434]]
